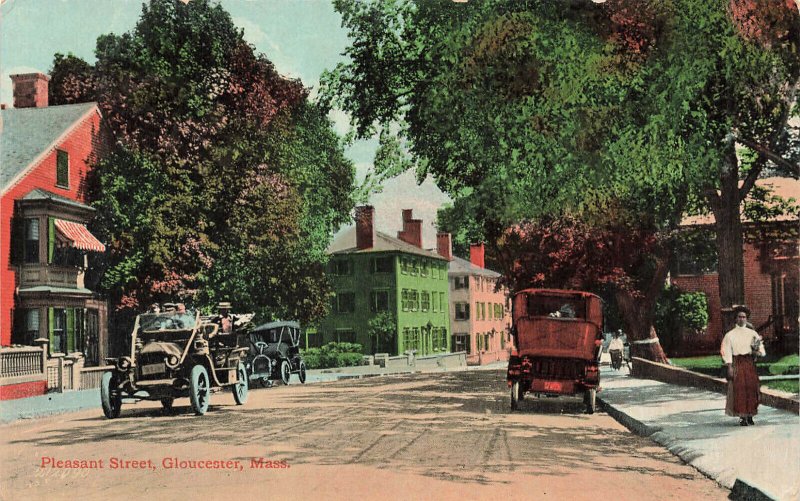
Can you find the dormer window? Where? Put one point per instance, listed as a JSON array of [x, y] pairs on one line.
[[62, 169]]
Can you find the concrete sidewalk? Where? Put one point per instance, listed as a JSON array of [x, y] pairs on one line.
[[756, 462]]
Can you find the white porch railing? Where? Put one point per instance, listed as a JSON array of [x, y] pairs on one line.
[[21, 361]]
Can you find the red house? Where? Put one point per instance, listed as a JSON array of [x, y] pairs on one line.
[[771, 278], [46, 153]]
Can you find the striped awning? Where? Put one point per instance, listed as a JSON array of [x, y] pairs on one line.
[[76, 235]]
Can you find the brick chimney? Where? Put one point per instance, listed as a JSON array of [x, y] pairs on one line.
[[365, 227], [30, 90], [476, 252], [444, 245], [412, 229]]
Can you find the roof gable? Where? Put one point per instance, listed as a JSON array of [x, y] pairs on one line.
[[459, 266], [28, 133], [346, 244]]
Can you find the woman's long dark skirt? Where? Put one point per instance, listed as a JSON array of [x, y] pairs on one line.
[[743, 390]]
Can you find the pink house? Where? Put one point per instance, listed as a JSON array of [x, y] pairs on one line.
[[480, 318]]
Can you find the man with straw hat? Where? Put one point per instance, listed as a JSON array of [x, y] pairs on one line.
[[224, 318]]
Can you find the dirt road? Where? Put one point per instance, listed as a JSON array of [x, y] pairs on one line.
[[433, 436]]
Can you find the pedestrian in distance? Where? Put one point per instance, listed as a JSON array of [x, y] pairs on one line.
[[740, 348], [615, 349]]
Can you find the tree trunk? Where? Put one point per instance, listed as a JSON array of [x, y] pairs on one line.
[[730, 241], [638, 314], [638, 310]]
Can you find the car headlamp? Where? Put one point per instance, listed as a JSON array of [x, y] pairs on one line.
[[173, 360]]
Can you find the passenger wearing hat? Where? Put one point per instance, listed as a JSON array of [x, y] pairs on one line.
[[740, 347], [224, 318]]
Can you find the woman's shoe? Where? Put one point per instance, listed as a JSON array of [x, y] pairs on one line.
[[750, 420], [742, 422]]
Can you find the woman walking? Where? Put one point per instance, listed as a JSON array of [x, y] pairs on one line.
[[740, 347]]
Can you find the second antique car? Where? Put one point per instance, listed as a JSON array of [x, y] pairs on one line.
[[557, 344], [175, 355], [275, 353]]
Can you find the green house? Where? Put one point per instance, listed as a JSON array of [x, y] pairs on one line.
[[377, 275]]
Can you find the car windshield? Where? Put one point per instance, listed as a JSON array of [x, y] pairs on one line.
[[273, 335], [556, 307], [173, 320]]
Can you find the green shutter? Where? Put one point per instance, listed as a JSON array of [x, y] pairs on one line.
[[17, 240], [62, 169], [70, 328], [51, 321], [51, 239]]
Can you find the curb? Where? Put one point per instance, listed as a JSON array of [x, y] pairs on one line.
[[48, 405], [628, 422], [741, 490]]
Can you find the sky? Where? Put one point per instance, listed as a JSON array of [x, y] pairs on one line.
[[301, 37]]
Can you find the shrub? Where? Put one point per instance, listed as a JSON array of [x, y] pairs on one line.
[[677, 311], [333, 355]]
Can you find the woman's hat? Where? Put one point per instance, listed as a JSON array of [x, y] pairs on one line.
[[224, 306], [740, 307]]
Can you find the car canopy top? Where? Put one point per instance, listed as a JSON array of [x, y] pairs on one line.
[[278, 323]]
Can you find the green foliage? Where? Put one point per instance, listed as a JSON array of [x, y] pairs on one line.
[[692, 310], [72, 80], [382, 328], [693, 363], [711, 365], [763, 205], [624, 113], [676, 311], [224, 182], [333, 355], [790, 386], [695, 252], [790, 364], [536, 108]]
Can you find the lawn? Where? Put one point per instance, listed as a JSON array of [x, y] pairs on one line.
[[791, 385], [769, 366]]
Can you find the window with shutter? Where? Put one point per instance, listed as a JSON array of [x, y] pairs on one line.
[[62, 169]]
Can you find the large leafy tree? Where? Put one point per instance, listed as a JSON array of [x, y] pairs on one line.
[[223, 181], [621, 114]]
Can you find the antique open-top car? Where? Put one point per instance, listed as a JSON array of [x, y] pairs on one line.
[[174, 355], [557, 343], [275, 353]]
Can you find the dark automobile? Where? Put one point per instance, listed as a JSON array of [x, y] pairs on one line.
[[275, 353], [175, 355], [557, 344]]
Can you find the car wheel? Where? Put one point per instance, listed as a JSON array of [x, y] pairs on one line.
[[166, 403], [199, 389], [515, 395], [110, 398], [302, 373], [286, 371], [240, 389], [590, 399]]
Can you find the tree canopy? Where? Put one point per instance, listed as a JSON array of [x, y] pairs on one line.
[[223, 181], [625, 114]]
